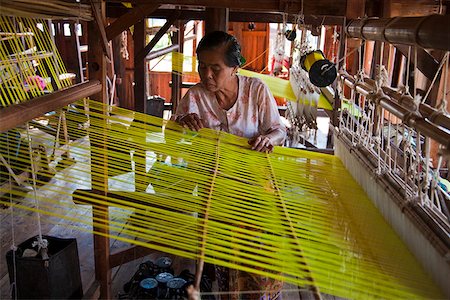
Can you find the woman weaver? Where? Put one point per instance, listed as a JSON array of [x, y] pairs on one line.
[[225, 101], [239, 105]]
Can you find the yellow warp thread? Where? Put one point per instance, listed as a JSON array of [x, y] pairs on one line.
[[346, 246], [278, 86], [18, 64], [27, 51]]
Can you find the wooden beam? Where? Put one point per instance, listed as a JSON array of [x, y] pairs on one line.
[[216, 19], [234, 16], [317, 7], [100, 21], [264, 17], [425, 62], [130, 18], [93, 292], [125, 199], [396, 72], [126, 255], [160, 52], [142, 54], [18, 114], [140, 94], [414, 31], [177, 77]]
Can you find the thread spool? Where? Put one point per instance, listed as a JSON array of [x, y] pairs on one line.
[[321, 71], [149, 287]]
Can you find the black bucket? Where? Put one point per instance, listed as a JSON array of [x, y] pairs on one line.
[[155, 106], [60, 279]]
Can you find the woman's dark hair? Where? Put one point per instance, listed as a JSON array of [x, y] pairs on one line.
[[216, 39]]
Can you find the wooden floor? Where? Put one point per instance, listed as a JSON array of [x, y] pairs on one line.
[[19, 225]]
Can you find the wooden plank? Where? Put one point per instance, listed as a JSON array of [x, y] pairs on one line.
[[18, 114], [425, 62], [100, 21], [140, 95], [126, 255], [177, 38], [94, 197], [234, 16], [93, 292], [317, 7], [396, 71], [130, 18]]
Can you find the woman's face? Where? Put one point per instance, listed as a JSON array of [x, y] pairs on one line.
[[214, 73]]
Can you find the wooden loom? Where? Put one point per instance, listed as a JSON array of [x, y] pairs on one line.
[[273, 197]]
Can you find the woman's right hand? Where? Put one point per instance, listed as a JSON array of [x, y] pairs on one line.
[[191, 121]]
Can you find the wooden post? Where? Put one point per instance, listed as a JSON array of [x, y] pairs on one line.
[[177, 77], [99, 179], [119, 67], [140, 95], [396, 72], [216, 19]]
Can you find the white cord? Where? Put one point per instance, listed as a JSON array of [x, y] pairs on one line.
[[33, 176], [11, 208], [407, 71]]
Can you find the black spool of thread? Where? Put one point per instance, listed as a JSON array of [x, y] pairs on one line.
[[290, 35], [149, 288], [176, 288], [162, 279], [321, 71]]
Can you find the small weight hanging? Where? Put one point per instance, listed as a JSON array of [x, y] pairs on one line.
[[321, 71], [290, 34]]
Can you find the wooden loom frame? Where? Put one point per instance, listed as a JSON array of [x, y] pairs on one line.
[[96, 87]]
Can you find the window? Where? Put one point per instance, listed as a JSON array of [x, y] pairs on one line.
[[66, 28]]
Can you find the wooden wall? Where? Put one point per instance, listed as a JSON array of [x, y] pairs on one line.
[[159, 83], [254, 43]]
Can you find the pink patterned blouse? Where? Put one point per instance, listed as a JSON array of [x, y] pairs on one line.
[[254, 113]]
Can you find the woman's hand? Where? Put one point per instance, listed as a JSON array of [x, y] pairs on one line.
[[261, 143], [191, 121]]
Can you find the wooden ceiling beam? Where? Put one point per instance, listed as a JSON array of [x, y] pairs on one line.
[[316, 7], [234, 16], [130, 18]]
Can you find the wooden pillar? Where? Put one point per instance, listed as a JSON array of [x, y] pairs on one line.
[[119, 67], [216, 19], [140, 95], [177, 77], [396, 72], [99, 158], [375, 60]]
